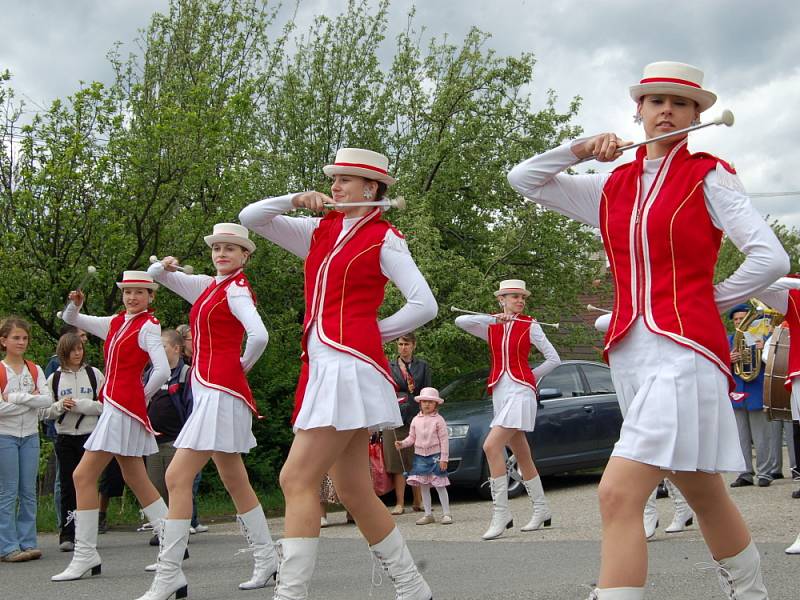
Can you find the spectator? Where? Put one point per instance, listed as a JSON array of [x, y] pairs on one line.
[[24, 390], [186, 334], [410, 374], [75, 408]]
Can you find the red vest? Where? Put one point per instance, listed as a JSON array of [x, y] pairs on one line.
[[510, 345], [344, 289], [217, 337], [793, 318], [125, 362], [662, 248]]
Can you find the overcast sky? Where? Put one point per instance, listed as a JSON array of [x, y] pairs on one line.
[[750, 52]]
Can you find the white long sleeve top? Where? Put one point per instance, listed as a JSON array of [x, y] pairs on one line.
[[240, 301], [149, 340], [578, 197], [478, 325], [266, 218], [19, 415], [77, 386], [776, 296]]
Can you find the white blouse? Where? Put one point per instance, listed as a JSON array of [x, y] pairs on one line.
[[578, 196], [240, 301], [478, 325], [266, 218], [149, 340]]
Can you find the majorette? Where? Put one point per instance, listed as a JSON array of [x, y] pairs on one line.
[[512, 384], [223, 311], [346, 388], [662, 217], [123, 431]]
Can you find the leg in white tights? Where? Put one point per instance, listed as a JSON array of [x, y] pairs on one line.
[[425, 489], [444, 499]]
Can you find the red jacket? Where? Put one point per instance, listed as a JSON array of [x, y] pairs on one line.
[[125, 363], [662, 248], [793, 318], [217, 337], [344, 289], [510, 346]]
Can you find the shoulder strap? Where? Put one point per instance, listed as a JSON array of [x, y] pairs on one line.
[[54, 383], [34, 374], [184, 372], [92, 381]]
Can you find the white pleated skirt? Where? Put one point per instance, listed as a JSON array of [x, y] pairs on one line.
[[677, 414], [345, 393], [514, 405], [219, 422], [118, 433]]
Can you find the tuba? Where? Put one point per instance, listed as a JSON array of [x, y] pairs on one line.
[[758, 322]]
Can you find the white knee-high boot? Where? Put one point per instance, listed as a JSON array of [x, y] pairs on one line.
[[795, 547], [623, 593], [740, 575], [169, 579], [255, 529], [85, 557], [156, 513], [684, 515], [650, 516], [296, 560], [502, 518], [396, 560], [541, 511]]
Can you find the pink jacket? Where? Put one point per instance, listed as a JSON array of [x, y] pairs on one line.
[[428, 435]]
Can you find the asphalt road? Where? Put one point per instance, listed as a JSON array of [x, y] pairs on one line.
[[558, 563]]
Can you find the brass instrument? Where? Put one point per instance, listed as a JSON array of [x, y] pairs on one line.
[[758, 322]]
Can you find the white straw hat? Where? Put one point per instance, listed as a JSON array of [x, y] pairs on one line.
[[363, 163], [512, 286], [674, 78], [231, 233], [137, 279], [431, 394]]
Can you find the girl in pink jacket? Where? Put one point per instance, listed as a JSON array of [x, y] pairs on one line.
[[428, 435]]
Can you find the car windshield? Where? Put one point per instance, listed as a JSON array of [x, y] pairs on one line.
[[467, 388]]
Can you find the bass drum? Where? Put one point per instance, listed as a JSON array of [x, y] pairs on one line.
[[777, 399]]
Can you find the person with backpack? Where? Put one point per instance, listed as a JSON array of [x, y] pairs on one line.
[[75, 410], [23, 390]]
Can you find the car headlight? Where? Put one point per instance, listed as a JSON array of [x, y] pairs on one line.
[[457, 431]]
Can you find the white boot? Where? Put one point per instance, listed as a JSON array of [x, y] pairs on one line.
[[541, 511], [296, 560], [795, 547], [684, 515], [740, 575], [256, 531], [169, 579], [396, 560], [623, 593], [85, 557], [650, 516], [155, 514], [502, 518]]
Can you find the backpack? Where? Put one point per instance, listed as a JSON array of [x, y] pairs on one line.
[[92, 382], [31, 368]]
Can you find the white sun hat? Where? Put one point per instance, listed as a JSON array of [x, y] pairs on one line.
[[363, 163], [674, 78], [137, 279], [231, 233], [512, 286]]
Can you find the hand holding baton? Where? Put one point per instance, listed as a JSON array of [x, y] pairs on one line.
[[480, 314], [188, 269], [90, 272]]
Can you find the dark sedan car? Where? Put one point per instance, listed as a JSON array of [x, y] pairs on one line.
[[577, 424]]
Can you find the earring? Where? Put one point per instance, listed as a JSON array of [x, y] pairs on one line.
[[368, 194], [695, 121], [637, 118]]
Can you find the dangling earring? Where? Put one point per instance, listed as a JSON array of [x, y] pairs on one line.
[[637, 118], [368, 194], [695, 121]]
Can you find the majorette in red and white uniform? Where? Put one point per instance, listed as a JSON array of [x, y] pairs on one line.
[[346, 382], [512, 383], [223, 310], [662, 221], [131, 341], [784, 296]]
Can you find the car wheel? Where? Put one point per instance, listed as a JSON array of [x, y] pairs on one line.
[[515, 486]]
